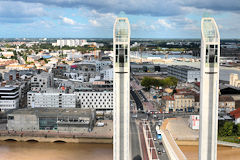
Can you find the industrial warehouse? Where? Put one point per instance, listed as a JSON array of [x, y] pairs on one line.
[[60, 119]]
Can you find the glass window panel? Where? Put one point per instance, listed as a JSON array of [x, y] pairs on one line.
[[126, 51], [211, 55], [121, 57]]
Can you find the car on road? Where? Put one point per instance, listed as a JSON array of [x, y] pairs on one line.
[[163, 151], [134, 116], [154, 139]]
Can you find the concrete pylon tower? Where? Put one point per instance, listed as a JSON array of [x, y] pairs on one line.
[[209, 89], [121, 89]]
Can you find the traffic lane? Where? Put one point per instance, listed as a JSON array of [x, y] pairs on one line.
[[135, 139], [158, 143]]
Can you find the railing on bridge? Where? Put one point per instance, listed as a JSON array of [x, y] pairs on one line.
[[151, 149]]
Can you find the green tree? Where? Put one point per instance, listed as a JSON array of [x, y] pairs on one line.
[[170, 81], [147, 82], [238, 129], [226, 130]]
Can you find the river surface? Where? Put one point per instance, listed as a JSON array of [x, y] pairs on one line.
[[223, 153], [54, 151]]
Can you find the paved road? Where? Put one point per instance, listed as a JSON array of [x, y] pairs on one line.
[[134, 139], [158, 143]]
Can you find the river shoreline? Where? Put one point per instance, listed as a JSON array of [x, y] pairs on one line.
[[90, 140]]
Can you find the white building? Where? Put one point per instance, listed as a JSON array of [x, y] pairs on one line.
[[41, 82], [7, 54], [234, 80], [121, 89], [96, 100], [70, 42], [194, 121], [184, 73], [9, 98], [51, 99], [107, 74], [100, 65], [209, 89]]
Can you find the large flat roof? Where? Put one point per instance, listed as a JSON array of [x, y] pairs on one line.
[[52, 112], [7, 88]]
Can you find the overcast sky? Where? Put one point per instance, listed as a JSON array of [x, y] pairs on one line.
[[95, 18]]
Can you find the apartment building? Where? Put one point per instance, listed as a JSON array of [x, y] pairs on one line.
[[41, 82], [226, 104], [9, 98], [234, 80], [179, 102], [184, 102], [97, 100], [184, 73], [51, 99]]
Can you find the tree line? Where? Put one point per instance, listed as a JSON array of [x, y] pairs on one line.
[[228, 128], [148, 82]]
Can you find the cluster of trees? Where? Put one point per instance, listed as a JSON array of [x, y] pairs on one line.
[[148, 82], [228, 128]]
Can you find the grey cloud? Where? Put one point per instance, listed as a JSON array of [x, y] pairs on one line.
[[216, 5], [19, 12], [144, 7]]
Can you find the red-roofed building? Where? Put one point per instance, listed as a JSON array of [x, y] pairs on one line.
[[236, 115]]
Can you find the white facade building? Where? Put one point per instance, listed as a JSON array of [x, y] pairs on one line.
[[9, 98], [209, 89], [58, 100], [41, 82], [100, 65], [70, 42], [107, 74], [74, 43], [96, 100], [194, 121], [121, 89], [184, 73], [234, 80]]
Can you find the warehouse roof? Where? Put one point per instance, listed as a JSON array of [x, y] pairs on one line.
[[56, 112]]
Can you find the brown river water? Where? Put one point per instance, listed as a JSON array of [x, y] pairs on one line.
[[54, 151], [223, 153]]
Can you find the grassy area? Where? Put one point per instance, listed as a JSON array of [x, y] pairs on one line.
[[233, 139]]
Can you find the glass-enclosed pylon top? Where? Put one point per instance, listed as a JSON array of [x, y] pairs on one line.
[[121, 30], [210, 31]]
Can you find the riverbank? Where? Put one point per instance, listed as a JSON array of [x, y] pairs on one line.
[[57, 139], [97, 135], [54, 151], [187, 140]]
